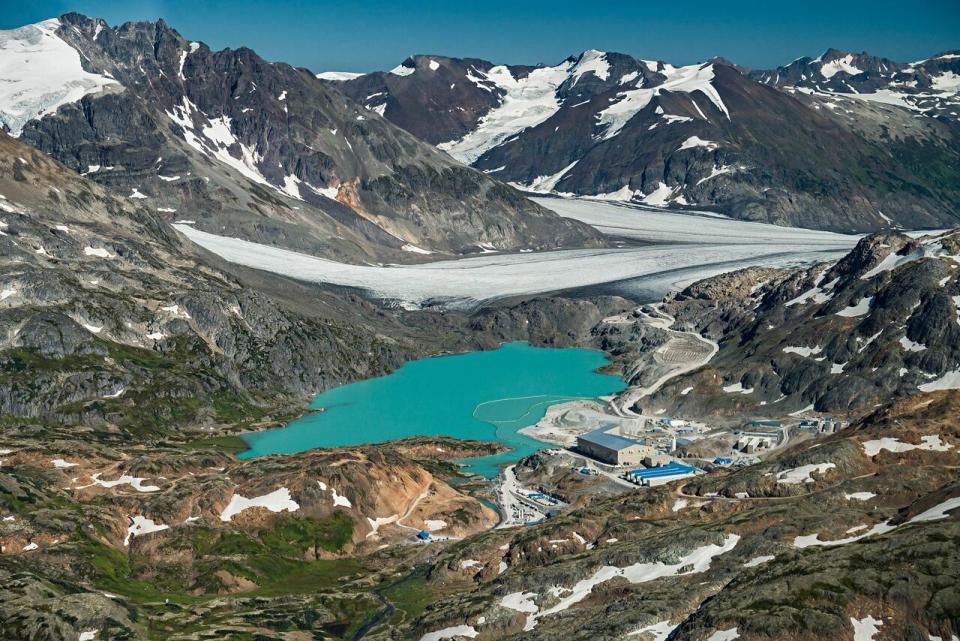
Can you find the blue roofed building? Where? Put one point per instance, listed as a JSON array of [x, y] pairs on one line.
[[664, 472]]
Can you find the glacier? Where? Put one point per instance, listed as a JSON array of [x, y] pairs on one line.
[[689, 248], [40, 73]]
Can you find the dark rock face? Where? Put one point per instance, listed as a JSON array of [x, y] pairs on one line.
[[267, 152], [411, 100], [748, 144]]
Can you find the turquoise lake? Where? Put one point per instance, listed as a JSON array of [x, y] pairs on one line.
[[480, 395]]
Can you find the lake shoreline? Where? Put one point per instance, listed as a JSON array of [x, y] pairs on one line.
[[353, 414]]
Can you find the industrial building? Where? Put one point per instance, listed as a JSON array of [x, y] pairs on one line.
[[662, 474], [764, 435], [826, 425], [608, 447]]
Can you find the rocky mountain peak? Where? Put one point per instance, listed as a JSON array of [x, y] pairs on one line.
[[268, 152]]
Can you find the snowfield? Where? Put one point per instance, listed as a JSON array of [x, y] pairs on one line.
[[693, 248], [40, 72], [689, 79], [526, 103]]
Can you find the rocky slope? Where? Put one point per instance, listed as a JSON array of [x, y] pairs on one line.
[[125, 361], [710, 135], [262, 150], [869, 537], [881, 323], [109, 321], [121, 528]]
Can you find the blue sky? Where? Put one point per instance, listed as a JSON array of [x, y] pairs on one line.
[[368, 35]]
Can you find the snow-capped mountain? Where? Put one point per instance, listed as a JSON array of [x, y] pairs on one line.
[[930, 87], [711, 135], [249, 148]]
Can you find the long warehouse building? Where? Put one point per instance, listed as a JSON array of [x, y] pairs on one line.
[[612, 448]]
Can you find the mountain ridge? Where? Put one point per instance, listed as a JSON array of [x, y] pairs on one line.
[[606, 125], [264, 150]]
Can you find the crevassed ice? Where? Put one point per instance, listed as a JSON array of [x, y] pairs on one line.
[[40, 72]]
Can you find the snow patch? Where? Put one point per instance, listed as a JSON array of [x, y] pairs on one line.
[[911, 346], [520, 601], [338, 499], [758, 560], [546, 184], [377, 522], [864, 629], [451, 632], [125, 479], [99, 252], [803, 473], [401, 70], [339, 76], [141, 525], [845, 64], [277, 501], [928, 443], [802, 351], [661, 630], [407, 247], [813, 540], [950, 380], [696, 561], [860, 309], [695, 141], [724, 635]]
